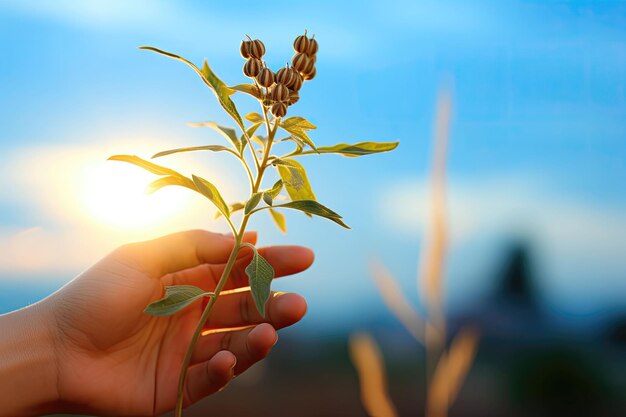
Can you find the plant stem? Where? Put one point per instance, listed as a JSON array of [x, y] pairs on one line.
[[231, 260]]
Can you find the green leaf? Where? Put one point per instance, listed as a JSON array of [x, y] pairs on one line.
[[228, 132], [148, 166], [260, 274], [357, 149], [298, 126], [254, 117], [210, 191], [176, 298], [313, 207], [295, 179], [233, 208], [170, 180], [252, 203], [250, 133], [279, 219], [221, 90], [270, 195], [251, 89], [213, 148]]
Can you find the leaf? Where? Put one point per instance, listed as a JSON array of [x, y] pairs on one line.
[[270, 195], [298, 126], [170, 180], [313, 207], [228, 132], [210, 191], [221, 90], [250, 133], [254, 117], [176, 298], [148, 166], [357, 149], [295, 179], [213, 148], [233, 208], [260, 274], [251, 89], [252, 203], [279, 219]]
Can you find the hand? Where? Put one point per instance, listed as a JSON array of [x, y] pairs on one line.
[[112, 358]]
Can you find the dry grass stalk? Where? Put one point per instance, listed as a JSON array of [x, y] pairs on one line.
[[368, 361]]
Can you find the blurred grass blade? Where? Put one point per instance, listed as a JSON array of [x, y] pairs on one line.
[[368, 362], [396, 301], [450, 373]]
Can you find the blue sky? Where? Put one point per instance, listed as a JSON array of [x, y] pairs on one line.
[[537, 150]]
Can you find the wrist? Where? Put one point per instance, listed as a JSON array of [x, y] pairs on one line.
[[28, 367]]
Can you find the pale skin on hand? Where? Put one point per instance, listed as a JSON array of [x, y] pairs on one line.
[[89, 348]]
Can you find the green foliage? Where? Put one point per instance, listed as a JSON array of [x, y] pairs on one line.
[[176, 298], [213, 148], [298, 127], [295, 179], [251, 89], [211, 192], [252, 203], [313, 207], [272, 193], [279, 219], [254, 117], [357, 149], [170, 180], [260, 274], [228, 132], [233, 208]]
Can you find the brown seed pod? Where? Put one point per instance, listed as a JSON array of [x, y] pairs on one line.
[[265, 77], [279, 109], [279, 93], [313, 58], [300, 61], [313, 47], [297, 81], [310, 65], [310, 75], [293, 98], [284, 76], [257, 49], [301, 44], [245, 49], [252, 67]]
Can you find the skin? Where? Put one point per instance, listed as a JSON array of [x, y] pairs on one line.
[[90, 349]]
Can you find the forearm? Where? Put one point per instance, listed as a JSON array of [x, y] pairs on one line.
[[27, 362]]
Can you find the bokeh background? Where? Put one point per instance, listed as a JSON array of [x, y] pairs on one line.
[[536, 179]]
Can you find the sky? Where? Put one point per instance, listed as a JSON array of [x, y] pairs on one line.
[[537, 147]]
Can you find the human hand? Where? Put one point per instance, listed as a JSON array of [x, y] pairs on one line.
[[113, 359]]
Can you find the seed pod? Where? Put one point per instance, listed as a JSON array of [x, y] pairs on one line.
[[245, 49], [301, 44], [300, 61], [280, 93], [297, 81], [293, 98], [313, 47], [310, 75], [265, 77], [285, 76], [252, 67], [257, 49], [313, 58], [279, 109], [310, 65]]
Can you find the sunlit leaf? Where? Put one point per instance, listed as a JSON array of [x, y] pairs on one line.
[[210, 191], [170, 180], [279, 219], [298, 142], [313, 207], [250, 132], [252, 203], [357, 149], [254, 117], [233, 208], [251, 89], [213, 148], [228, 132], [295, 179], [147, 165], [297, 122], [260, 274], [176, 298], [270, 195]]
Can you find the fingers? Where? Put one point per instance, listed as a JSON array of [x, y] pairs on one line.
[[179, 251], [238, 309], [248, 345], [209, 377], [286, 260]]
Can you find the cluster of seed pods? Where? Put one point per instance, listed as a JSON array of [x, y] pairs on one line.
[[282, 87]]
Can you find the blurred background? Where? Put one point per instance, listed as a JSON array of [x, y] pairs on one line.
[[536, 180]]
